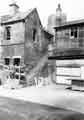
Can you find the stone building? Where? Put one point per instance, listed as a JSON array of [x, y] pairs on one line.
[[23, 40]]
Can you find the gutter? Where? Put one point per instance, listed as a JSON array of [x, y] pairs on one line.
[[12, 22]]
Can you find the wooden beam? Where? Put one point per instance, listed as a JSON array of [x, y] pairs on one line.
[[71, 57]]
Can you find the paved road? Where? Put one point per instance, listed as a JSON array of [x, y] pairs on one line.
[[11, 109]]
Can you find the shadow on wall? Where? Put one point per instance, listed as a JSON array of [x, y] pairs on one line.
[[44, 71]]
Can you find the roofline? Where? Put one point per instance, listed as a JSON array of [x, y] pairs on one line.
[[38, 16], [47, 32], [12, 22], [71, 57], [70, 24], [16, 21]]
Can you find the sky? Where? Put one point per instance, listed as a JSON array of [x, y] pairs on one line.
[[74, 9]]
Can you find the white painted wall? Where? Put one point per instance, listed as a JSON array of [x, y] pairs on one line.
[[63, 73]]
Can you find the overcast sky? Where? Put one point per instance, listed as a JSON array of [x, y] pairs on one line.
[[73, 8]]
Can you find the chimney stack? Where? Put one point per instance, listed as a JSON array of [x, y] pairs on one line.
[[14, 8]]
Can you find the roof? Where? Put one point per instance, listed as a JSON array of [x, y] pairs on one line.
[[70, 53], [70, 23], [18, 17], [48, 32]]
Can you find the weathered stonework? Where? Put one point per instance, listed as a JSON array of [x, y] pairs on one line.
[[30, 46], [34, 50], [16, 32], [14, 46]]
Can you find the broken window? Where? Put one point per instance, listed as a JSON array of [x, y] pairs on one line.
[[8, 33], [7, 61], [16, 61]]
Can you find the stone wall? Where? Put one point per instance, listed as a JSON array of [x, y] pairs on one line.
[[16, 33], [14, 46], [34, 50], [13, 50]]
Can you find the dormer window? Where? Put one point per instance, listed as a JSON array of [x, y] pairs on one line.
[[74, 33], [8, 34]]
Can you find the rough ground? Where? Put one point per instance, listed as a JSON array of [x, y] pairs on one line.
[[11, 109], [54, 95]]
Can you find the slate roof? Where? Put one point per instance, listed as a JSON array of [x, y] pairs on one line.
[[19, 16], [71, 23]]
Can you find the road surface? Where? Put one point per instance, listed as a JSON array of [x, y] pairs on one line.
[[53, 95], [11, 109]]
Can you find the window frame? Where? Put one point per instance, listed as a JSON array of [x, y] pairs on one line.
[[75, 32], [7, 61], [34, 32], [8, 33]]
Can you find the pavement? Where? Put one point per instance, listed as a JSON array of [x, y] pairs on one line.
[[52, 95]]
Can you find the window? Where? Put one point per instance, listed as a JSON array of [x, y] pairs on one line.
[[17, 70], [7, 61], [17, 76], [16, 61], [22, 77], [34, 34], [8, 33], [74, 32], [21, 70]]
